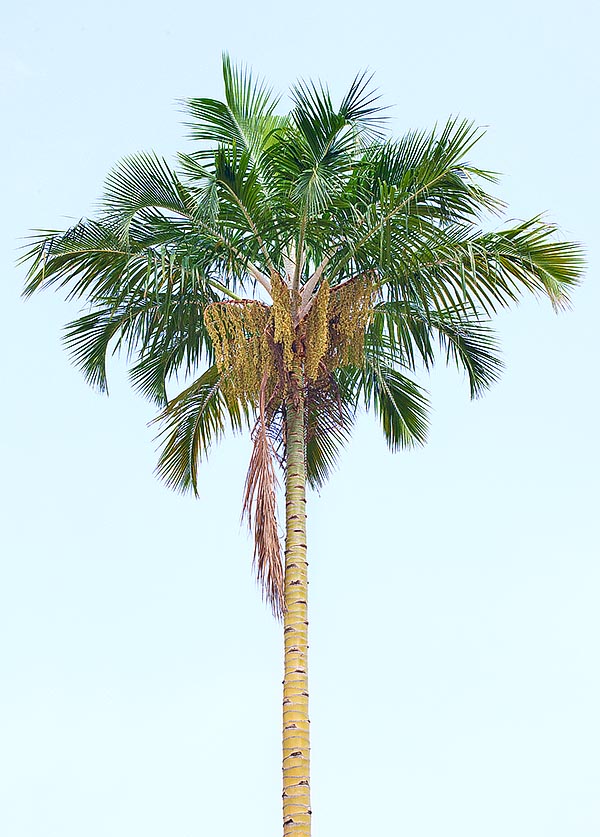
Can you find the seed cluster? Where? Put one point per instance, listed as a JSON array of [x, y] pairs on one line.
[[284, 331], [253, 340], [317, 332], [349, 314], [238, 331]]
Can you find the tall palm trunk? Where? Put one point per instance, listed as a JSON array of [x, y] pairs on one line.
[[296, 738]]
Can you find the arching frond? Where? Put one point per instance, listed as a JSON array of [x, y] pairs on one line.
[[88, 340], [465, 339], [429, 174], [488, 271], [85, 256], [330, 415], [242, 199], [361, 110], [246, 118], [191, 423], [400, 404], [166, 335], [472, 345], [314, 159], [143, 181], [530, 257]]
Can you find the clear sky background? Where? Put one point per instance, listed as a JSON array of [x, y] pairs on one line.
[[454, 589]]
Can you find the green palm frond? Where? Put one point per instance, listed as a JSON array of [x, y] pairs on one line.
[[400, 404], [310, 172], [151, 373], [314, 158], [488, 271], [429, 174], [361, 110], [88, 340], [246, 118], [77, 257], [315, 119], [143, 181], [467, 340], [173, 340], [191, 423], [153, 309], [330, 415], [246, 206], [201, 185], [165, 335], [531, 258], [472, 345]]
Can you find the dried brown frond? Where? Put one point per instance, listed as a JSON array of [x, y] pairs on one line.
[[259, 508]]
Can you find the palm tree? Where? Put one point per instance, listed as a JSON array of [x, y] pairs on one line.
[[295, 268]]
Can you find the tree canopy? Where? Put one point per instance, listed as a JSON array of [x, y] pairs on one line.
[[309, 237]]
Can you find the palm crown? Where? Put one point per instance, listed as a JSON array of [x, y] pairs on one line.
[[367, 251], [294, 267]]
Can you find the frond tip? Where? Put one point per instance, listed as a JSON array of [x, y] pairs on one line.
[[191, 423]]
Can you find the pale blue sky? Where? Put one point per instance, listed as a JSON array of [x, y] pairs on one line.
[[454, 590]]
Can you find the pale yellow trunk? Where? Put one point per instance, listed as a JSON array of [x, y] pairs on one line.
[[296, 737]]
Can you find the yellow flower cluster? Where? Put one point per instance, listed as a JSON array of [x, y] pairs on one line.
[[349, 314], [252, 339], [282, 315], [238, 331], [317, 332]]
